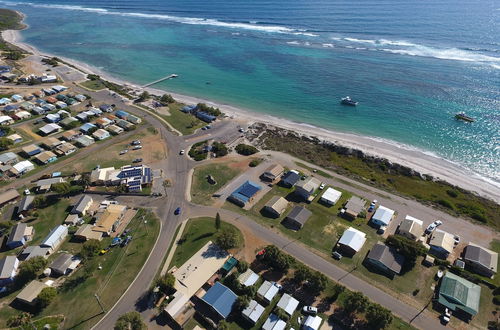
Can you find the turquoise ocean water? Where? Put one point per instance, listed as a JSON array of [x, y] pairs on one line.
[[411, 64]]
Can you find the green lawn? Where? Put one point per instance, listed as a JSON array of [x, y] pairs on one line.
[[197, 233], [183, 122], [95, 85], [49, 218], [201, 190]]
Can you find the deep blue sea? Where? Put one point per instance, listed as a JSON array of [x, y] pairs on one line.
[[412, 64]]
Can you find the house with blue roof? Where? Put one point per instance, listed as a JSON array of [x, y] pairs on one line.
[[88, 128], [220, 299], [245, 193], [205, 116], [188, 108], [122, 114]]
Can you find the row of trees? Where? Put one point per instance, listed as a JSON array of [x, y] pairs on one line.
[[210, 110], [377, 317]]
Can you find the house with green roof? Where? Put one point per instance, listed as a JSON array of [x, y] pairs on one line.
[[459, 295]]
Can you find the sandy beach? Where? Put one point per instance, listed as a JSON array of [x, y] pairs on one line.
[[419, 160]]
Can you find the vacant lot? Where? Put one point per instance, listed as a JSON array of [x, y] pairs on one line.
[[95, 85], [183, 122]]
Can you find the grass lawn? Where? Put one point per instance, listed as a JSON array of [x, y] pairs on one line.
[[201, 190], [49, 218], [197, 233], [95, 85], [183, 122]]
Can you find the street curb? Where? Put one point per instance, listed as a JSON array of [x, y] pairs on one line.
[[174, 247]]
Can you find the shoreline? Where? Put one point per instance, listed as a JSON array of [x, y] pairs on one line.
[[419, 160]]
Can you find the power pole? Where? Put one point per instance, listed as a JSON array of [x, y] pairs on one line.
[[99, 302]]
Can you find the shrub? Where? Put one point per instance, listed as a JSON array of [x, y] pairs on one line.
[[254, 163], [227, 239], [46, 296], [242, 266], [445, 203], [210, 110], [452, 193], [245, 149], [219, 149], [166, 283], [30, 269], [496, 300], [90, 249], [130, 321], [408, 248]]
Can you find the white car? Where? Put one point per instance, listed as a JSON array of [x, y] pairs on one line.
[[181, 152], [310, 310], [322, 186], [27, 192], [433, 226]]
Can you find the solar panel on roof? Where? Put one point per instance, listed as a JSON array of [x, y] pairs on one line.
[[248, 190]]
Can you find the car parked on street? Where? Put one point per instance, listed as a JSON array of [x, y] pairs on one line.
[[310, 310], [336, 255], [177, 211], [137, 147], [430, 228]]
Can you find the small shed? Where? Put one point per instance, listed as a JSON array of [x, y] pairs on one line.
[[297, 217]]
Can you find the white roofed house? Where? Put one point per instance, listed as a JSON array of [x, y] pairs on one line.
[[312, 323], [411, 228], [8, 269], [15, 138], [6, 120], [83, 205], [101, 134], [330, 196], [20, 115], [55, 238], [267, 291], [441, 244], [273, 322], [253, 312], [382, 216], [288, 304], [352, 241], [248, 278], [21, 168], [8, 158], [50, 128]]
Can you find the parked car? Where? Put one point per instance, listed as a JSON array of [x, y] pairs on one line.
[[137, 160], [322, 186], [177, 211], [310, 310], [181, 152], [135, 143], [123, 152], [456, 238], [116, 241], [336, 255], [381, 230], [279, 286], [137, 147], [208, 127], [430, 228], [27, 191], [126, 241], [372, 207]]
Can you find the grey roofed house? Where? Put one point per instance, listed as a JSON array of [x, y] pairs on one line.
[[289, 179], [276, 206], [8, 158], [45, 184], [82, 205], [8, 268], [253, 312], [17, 236], [8, 196], [307, 187], [72, 219], [354, 206], [34, 251], [30, 292], [298, 216], [481, 260], [26, 204], [61, 264], [385, 258], [272, 172]]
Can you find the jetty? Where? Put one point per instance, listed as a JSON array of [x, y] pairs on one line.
[[173, 75]]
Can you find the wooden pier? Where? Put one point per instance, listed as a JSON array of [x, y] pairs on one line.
[[173, 75]]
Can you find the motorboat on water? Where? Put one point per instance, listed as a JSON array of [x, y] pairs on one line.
[[348, 101], [464, 117]]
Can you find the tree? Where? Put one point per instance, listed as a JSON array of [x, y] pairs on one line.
[[245, 149], [14, 55], [19, 320], [227, 239], [241, 303], [130, 321], [217, 221], [61, 188], [301, 274], [144, 96], [46, 296], [219, 149], [408, 248], [40, 202], [276, 259], [223, 325], [317, 282], [166, 283], [93, 77], [30, 269], [378, 317], [5, 144], [166, 99], [242, 266], [90, 249], [355, 302]]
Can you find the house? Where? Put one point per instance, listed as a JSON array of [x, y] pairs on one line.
[[5, 169], [49, 107], [51, 143], [50, 128], [272, 172], [382, 216], [135, 177], [352, 241], [20, 234], [101, 134], [39, 110], [68, 121], [46, 78], [289, 179], [312, 323], [220, 299], [441, 244], [103, 122], [29, 294], [63, 264], [113, 129], [305, 188], [61, 105], [481, 260], [82, 206], [28, 106], [52, 118], [15, 138], [86, 232], [44, 185], [267, 291], [71, 135], [65, 149], [8, 196], [11, 109], [20, 115], [73, 220], [460, 296], [80, 97], [84, 141], [106, 108], [6, 120], [82, 116], [55, 238], [109, 218], [25, 205], [298, 217], [411, 228], [5, 100], [31, 150], [8, 270], [16, 98], [87, 128], [253, 312], [21, 168], [248, 278], [71, 101], [330, 197], [288, 304], [122, 114], [276, 206], [124, 124], [245, 193], [33, 251], [205, 116], [134, 119], [46, 157], [8, 158], [353, 207], [59, 88], [273, 322], [385, 259]]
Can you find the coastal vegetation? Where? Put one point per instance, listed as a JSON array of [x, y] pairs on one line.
[[245, 149], [383, 174], [95, 82], [10, 20], [198, 151]]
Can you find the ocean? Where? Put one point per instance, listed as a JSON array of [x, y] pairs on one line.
[[411, 64]]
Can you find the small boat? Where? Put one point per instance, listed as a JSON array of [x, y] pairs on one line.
[[464, 117], [348, 101]]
